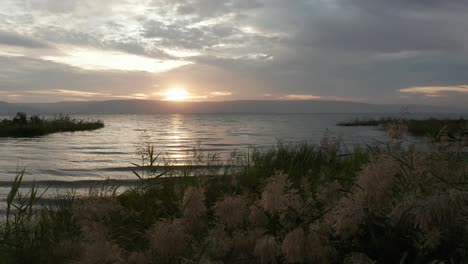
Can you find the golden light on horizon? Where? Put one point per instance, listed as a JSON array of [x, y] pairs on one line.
[[176, 94]]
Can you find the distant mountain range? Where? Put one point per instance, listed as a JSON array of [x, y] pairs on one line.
[[247, 106]]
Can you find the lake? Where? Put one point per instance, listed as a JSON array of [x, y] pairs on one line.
[[68, 158]]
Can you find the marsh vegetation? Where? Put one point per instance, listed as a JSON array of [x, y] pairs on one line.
[[296, 203], [417, 127], [23, 126]]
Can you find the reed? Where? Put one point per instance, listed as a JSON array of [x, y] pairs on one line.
[[23, 126], [432, 127]]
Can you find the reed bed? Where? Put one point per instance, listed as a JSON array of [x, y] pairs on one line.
[[296, 203], [23, 126], [417, 127]]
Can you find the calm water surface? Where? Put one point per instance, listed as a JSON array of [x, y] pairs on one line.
[[107, 153]]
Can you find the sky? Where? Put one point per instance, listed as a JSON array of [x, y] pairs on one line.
[[374, 51]]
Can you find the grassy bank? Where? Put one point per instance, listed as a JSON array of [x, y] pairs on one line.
[[288, 204], [417, 127], [24, 126]]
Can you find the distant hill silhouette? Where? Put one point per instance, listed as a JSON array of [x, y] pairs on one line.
[[247, 106], [3, 106], [8, 108]]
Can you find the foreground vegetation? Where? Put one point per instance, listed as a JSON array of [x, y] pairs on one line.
[[22, 126], [289, 204], [417, 127]]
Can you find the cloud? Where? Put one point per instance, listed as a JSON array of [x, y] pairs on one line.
[[218, 93], [68, 93], [449, 95], [181, 53], [381, 26], [403, 55], [93, 59], [302, 97], [367, 49], [139, 96], [21, 74], [435, 91], [317, 97], [210, 8], [19, 40]]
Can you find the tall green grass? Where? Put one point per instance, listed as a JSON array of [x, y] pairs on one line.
[[28, 232], [22, 126]]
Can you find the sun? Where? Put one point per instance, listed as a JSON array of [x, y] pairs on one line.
[[176, 94]]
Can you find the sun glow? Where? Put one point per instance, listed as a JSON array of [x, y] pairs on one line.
[[176, 94], [95, 59]]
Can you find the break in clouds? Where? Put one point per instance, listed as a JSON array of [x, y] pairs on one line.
[[374, 51]]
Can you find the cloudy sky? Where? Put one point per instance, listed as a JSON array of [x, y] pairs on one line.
[[377, 51]]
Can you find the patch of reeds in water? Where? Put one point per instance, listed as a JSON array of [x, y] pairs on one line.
[[23, 126]]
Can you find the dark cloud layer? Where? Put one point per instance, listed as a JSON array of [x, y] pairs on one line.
[[353, 49], [15, 39]]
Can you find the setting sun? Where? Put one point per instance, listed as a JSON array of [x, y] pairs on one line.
[[176, 94]]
